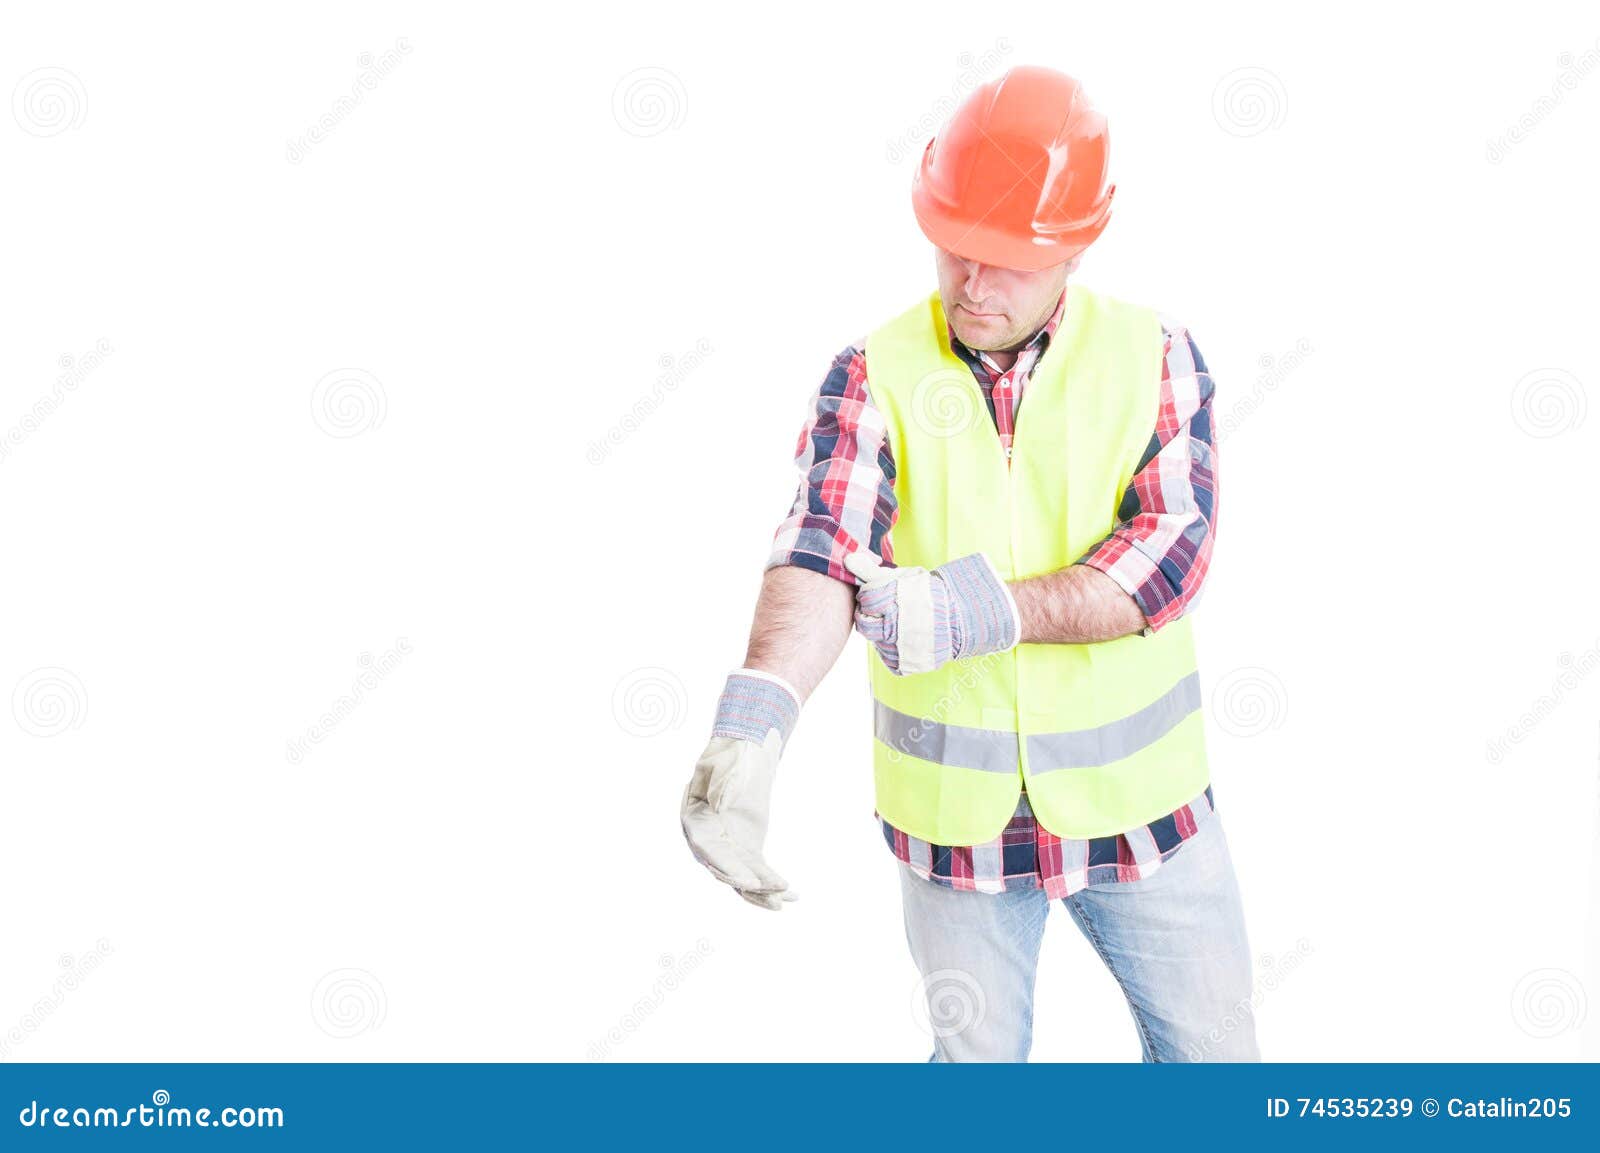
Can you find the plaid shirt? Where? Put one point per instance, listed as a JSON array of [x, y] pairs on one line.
[[1158, 554]]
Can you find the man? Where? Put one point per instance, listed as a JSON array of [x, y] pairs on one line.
[[1023, 577]]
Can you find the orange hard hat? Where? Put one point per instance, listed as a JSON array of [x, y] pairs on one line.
[[1016, 177]]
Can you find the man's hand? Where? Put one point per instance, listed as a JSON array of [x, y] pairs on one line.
[[919, 619], [728, 800]]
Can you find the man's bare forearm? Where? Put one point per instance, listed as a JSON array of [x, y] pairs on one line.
[[802, 621], [1074, 605]]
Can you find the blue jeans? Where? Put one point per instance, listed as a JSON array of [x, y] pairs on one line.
[[1174, 940]]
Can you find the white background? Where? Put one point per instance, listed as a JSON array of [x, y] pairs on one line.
[[519, 231]]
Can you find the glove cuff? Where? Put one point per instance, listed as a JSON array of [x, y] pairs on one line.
[[982, 607], [753, 703]]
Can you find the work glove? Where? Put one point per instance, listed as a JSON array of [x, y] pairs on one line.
[[919, 619], [729, 796]]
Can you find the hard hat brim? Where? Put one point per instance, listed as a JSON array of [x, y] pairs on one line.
[[979, 241]]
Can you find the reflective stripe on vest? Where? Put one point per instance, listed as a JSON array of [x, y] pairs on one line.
[[995, 750], [955, 746]]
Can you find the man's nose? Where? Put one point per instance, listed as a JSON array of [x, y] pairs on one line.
[[977, 287]]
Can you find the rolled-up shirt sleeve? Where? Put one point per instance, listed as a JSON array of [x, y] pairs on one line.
[[1161, 549], [846, 495]]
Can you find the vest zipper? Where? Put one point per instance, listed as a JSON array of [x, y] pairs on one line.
[[1011, 569]]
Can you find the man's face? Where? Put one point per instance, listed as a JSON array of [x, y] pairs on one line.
[[995, 309]]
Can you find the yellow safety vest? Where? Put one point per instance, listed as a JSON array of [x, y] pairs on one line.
[[1107, 736]]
